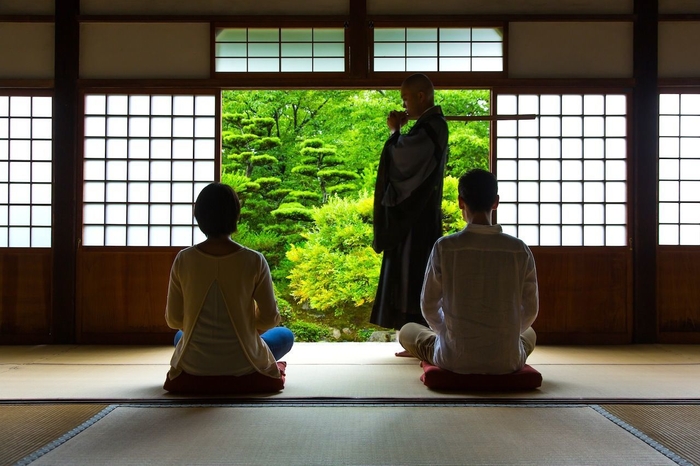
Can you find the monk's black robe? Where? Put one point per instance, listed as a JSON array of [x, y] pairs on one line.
[[407, 216]]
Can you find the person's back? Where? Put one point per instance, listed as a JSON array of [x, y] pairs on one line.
[[479, 293], [220, 310], [221, 301], [488, 293]]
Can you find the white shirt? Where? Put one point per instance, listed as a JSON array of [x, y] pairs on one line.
[[479, 294], [221, 303]]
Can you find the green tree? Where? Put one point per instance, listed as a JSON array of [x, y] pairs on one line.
[[288, 152], [321, 164], [248, 146], [469, 141]]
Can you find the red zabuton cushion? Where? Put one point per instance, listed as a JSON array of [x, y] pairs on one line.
[[226, 384], [526, 378]]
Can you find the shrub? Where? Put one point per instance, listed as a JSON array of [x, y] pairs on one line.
[[336, 271], [308, 331]]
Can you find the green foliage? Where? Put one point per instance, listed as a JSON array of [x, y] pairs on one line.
[[341, 188], [268, 182], [365, 207], [279, 193], [469, 141], [306, 170], [304, 164], [320, 164], [263, 159], [336, 270], [257, 240], [293, 211], [253, 186], [313, 143], [467, 150], [266, 143], [364, 333], [286, 311], [304, 196], [332, 160], [452, 220], [329, 174], [238, 181], [308, 331]]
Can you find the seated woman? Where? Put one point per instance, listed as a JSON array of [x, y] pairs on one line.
[[221, 298]]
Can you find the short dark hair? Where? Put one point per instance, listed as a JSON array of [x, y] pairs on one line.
[[478, 189], [217, 209]]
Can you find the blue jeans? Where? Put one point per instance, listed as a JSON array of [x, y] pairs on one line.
[[278, 339]]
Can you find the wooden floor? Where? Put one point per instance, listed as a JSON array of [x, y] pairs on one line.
[[352, 371]]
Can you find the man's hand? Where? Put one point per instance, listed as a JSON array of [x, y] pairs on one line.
[[396, 119]]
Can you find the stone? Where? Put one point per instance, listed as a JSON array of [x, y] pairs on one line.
[[380, 336]]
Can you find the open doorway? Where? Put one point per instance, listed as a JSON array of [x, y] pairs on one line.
[[304, 164]]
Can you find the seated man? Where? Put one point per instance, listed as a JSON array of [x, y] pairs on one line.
[[479, 295]]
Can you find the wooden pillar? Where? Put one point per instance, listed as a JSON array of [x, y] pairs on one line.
[[644, 162], [358, 39], [65, 150]]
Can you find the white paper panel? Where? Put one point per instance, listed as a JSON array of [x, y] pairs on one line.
[[26, 50], [393, 7], [144, 50], [570, 50], [679, 49], [217, 7]]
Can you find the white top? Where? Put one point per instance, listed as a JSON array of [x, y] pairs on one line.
[[214, 348], [479, 294], [221, 303]]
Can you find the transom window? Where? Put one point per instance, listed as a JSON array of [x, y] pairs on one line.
[[274, 50], [146, 158], [562, 176], [679, 169], [438, 49], [25, 171]]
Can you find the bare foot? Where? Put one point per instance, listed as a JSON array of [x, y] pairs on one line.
[[404, 354]]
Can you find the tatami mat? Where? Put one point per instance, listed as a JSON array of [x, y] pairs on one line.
[[353, 403], [338, 435], [350, 370], [675, 427], [26, 428]]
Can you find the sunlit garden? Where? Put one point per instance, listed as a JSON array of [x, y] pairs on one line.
[[304, 165]]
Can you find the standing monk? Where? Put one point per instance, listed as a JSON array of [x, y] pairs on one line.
[[407, 198]]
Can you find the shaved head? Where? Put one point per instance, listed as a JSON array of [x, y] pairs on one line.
[[420, 83]]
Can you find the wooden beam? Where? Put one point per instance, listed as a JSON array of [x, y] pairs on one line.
[[529, 116], [357, 38]]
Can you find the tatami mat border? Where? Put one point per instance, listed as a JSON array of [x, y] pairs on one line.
[[65, 437], [642, 436]]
